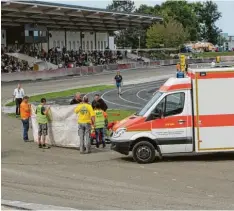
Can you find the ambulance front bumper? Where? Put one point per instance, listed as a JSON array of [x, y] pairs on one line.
[[122, 146]]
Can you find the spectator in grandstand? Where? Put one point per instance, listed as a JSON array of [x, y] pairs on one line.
[[42, 114], [100, 101], [86, 118], [18, 95], [77, 99], [118, 80], [25, 113]]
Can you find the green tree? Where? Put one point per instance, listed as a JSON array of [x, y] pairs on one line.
[[127, 37], [148, 10], [183, 12], [121, 6], [171, 34], [208, 15]]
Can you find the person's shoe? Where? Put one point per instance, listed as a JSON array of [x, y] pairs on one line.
[[45, 146], [97, 146], [104, 145], [39, 145], [81, 153]]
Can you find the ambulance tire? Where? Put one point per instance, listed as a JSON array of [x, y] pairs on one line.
[[143, 152]]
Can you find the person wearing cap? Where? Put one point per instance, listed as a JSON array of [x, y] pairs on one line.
[[25, 113], [86, 117], [42, 119]]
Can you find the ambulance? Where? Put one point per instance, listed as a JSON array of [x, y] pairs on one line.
[[194, 114]]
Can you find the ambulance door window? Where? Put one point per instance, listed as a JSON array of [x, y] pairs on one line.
[[174, 104]]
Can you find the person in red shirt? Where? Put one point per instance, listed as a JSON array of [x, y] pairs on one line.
[[25, 113]]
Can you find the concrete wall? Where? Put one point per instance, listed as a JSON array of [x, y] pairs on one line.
[[112, 45], [73, 40], [88, 42], [3, 37], [102, 40], [57, 39]]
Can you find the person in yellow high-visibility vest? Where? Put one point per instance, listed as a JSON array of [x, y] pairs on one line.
[[42, 120], [100, 120]]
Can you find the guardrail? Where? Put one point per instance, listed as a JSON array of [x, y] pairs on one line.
[[80, 71]]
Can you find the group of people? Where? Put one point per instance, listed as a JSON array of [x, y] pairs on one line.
[[42, 118], [61, 57], [90, 116], [81, 58], [10, 64]]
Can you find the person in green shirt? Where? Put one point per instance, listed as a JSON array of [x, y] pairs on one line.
[[42, 120]]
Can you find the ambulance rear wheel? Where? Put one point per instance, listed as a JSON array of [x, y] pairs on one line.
[[143, 152]]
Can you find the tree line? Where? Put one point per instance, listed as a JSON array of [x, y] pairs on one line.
[[182, 21]]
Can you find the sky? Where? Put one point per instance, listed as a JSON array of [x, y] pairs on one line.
[[226, 7]]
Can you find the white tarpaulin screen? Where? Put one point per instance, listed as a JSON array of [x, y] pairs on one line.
[[62, 128]]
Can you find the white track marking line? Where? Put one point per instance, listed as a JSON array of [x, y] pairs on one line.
[[145, 86], [128, 100], [128, 106], [141, 97], [122, 105], [145, 90]]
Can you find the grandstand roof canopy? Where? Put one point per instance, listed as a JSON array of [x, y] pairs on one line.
[[70, 17]]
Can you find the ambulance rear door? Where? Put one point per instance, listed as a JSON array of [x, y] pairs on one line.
[[214, 110]]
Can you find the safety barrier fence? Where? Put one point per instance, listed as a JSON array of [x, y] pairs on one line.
[[81, 71]]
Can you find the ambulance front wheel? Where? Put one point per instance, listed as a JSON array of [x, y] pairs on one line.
[[143, 152]]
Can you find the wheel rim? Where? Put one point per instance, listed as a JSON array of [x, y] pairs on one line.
[[143, 153]]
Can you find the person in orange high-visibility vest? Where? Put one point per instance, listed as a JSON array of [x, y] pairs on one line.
[[178, 66]]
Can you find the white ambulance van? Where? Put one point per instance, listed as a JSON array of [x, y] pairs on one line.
[[194, 114]]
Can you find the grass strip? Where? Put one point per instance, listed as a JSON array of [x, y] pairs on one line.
[[67, 93]]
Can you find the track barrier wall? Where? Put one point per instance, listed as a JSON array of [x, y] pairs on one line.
[[81, 71]]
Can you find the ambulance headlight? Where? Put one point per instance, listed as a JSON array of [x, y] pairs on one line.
[[119, 132]]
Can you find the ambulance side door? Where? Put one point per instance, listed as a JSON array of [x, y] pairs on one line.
[[171, 129]]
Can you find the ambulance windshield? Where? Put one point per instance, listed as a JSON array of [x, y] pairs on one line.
[[156, 96]]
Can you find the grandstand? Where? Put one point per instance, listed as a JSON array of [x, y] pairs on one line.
[[60, 33]]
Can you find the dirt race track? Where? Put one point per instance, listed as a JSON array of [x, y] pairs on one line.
[[105, 179]]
